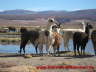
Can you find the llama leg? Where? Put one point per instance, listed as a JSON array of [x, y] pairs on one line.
[[24, 50], [41, 49], [36, 46], [84, 50], [58, 50], [75, 49], [78, 49], [24, 47], [66, 45], [24, 44], [50, 50], [54, 51], [95, 52], [81, 50], [47, 48], [94, 47], [20, 49], [66, 38]]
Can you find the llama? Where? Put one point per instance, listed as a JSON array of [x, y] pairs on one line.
[[54, 38], [36, 37], [39, 38], [80, 39], [66, 37], [55, 41], [26, 36], [67, 34], [43, 40], [93, 37]]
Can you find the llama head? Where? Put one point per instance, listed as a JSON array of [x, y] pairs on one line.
[[83, 22], [89, 25], [51, 20], [55, 28]]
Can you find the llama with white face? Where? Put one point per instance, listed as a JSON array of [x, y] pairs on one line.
[[54, 37], [67, 34], [49, 38]]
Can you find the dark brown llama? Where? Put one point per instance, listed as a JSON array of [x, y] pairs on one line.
[[80, 39], [26, 36], [93, 37]]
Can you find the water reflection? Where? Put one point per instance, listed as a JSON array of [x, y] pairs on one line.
[[13, 48]]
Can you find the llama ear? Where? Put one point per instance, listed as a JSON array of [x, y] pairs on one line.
[[58, 24], [87, 24]]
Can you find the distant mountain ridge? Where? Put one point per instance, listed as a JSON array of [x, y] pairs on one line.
[[30, 15], [17, 12], [21, 11]]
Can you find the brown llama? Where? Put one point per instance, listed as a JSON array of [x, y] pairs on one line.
[[80, 39], [57, 42], [93, 37], [39, 37]]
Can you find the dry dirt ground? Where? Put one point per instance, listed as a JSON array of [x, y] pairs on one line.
[[20, 62]]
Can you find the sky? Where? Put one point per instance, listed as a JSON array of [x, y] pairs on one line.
[[44, 5]]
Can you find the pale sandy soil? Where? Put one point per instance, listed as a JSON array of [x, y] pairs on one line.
[[8, 60]]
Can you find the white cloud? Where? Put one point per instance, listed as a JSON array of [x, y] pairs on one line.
[[75, 9], [1, 10], [37, 9]]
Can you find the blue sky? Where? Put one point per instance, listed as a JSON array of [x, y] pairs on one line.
[[41, 5]]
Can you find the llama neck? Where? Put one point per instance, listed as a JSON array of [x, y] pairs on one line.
[[83, 27], [87, 31], [49, 25], [58, 30], [50, 29], [77, 30]]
